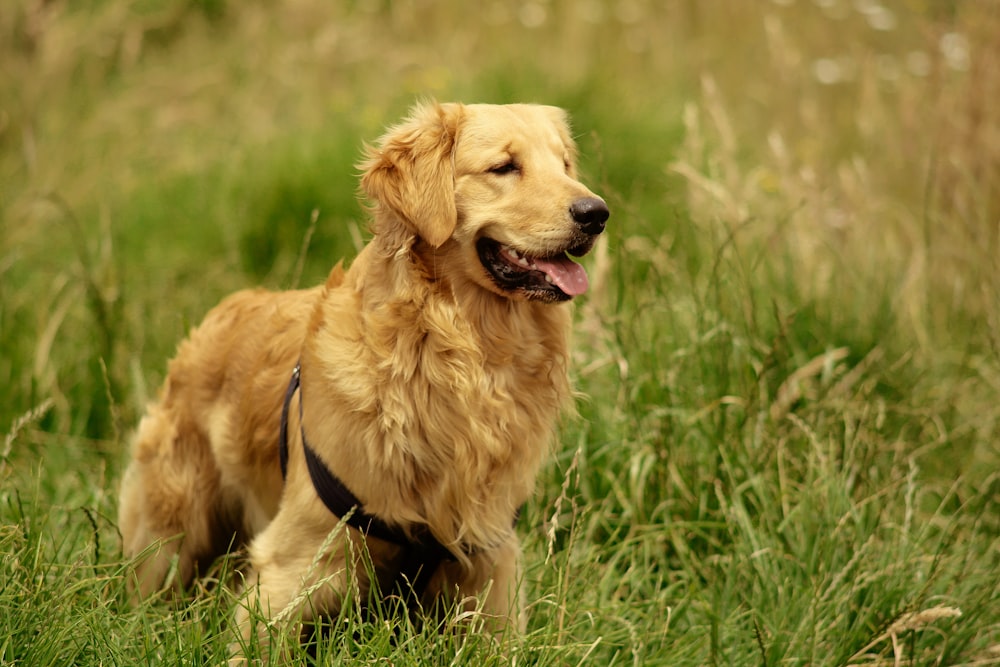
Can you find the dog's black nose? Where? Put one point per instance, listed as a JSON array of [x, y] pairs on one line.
[[590, 213]]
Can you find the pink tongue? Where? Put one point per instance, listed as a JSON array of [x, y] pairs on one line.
[[565, 273]]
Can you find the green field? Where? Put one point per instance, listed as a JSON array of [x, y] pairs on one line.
[[788, 442]]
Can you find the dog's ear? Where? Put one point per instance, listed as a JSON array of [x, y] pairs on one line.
[[410, 171]]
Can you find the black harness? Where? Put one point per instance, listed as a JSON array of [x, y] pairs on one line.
[[421, 556]]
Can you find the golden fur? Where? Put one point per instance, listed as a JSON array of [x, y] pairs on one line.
[[430, 387]]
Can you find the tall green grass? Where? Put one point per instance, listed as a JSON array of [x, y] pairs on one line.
[[787, 441]]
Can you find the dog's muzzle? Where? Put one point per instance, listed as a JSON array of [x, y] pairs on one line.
[[553, 277]]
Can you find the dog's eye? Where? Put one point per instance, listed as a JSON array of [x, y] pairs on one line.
[[508, 167]]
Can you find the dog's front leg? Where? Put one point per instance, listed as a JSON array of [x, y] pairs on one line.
[[493, 585], [293, 580]]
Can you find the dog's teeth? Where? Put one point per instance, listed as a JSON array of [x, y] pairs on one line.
[[523, 262], [548, 278], [513, 253]]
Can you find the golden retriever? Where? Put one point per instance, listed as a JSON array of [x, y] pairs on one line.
[[429, 378]]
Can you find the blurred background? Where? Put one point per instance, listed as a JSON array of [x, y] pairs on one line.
[[157, 154]]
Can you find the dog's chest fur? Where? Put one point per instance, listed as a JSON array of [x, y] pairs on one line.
[[438, 406]]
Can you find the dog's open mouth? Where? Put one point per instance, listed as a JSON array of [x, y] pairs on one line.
[[553, 278]]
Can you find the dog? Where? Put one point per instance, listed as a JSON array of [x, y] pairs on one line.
[[424, 384]]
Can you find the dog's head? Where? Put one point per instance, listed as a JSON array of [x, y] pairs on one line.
[[494, 190]]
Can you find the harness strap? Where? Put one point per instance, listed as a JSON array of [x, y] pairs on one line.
[[421, 557], [293, 386]]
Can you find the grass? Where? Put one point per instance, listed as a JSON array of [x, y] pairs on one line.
[[787, 447]]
